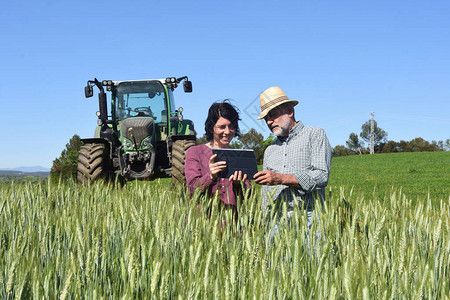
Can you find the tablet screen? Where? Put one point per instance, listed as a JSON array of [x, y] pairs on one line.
[[237, 160]]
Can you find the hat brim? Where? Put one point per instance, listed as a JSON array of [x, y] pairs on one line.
[[266, 111]]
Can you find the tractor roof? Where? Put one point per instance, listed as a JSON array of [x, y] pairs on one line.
[[140, 80]]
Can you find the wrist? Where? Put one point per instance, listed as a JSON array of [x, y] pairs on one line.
[[290, 180]]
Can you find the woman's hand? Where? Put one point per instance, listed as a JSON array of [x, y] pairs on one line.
[[216, 167], [237, 177]]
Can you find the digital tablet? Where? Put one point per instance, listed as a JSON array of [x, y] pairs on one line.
[[237, 160]]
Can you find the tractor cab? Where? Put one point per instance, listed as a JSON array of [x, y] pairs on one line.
[[140, 99]]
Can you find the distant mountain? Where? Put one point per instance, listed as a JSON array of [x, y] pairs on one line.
[[27, 169]]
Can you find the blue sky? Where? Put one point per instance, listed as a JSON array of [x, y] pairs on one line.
[[340, 59]]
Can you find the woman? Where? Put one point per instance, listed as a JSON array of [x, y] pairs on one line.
[[202, 170]]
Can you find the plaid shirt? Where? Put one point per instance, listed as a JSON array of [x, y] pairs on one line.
[[306, 153]]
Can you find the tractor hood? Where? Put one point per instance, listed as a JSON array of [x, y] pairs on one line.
[[137, 129]]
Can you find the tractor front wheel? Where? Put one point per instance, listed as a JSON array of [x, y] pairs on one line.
[[179, 148], [93, 163]]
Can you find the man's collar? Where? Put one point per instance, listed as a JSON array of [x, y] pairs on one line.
[[296, 129]]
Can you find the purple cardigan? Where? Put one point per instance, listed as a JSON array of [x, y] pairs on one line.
[[196, 169]]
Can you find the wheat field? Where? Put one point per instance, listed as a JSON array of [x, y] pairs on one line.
[[150, 241]]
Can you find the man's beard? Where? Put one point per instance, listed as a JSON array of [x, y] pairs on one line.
[[281, 130]]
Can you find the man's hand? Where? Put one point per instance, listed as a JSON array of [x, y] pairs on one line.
[[272, 178], [268, 178]]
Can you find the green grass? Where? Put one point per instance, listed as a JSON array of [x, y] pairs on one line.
[[418, 175], [149, 240]]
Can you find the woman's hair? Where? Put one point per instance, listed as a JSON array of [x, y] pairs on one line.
[[225, 110]]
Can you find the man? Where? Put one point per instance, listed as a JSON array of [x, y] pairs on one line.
[[296, 166]]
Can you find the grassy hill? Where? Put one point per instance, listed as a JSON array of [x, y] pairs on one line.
[[417, 174]]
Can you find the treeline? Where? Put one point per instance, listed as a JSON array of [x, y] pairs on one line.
[[18, 179], [415, 145], [355, 144]]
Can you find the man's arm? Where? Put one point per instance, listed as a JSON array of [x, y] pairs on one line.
[[316, 175]]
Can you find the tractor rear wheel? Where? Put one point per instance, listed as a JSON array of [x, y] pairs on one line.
[[93, 163], [179, 148]]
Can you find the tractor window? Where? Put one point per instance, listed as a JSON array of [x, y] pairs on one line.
[[142, 98]]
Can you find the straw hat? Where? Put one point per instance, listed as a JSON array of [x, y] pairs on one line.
[[271, 98]]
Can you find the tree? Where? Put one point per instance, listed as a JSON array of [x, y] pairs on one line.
[[390, 147], [354, 143], [415, 145], [447, 144], [201, 140], [269, 141], [253, 140], [419, 145], [379, 134], [438, 146], [65, 166], [341, 150], [265, 143], [404, 146], [235, 144]]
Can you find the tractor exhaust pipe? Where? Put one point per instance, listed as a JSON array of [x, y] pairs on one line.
[[101, 101], [102, 105], [88, 92]]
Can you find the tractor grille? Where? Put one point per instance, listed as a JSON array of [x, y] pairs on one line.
[[142, 128]]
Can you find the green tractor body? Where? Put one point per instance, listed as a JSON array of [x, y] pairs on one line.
[[144, 137]]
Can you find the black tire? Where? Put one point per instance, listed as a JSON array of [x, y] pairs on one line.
[[179, 148], [93, 163]]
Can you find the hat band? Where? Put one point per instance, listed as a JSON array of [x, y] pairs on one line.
[[272, 102]]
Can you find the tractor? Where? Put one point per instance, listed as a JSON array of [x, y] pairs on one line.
[[144, 137]]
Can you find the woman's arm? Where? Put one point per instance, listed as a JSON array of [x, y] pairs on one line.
[[196, 174]]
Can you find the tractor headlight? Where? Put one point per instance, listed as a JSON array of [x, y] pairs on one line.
[[146, 143], [127, 144]]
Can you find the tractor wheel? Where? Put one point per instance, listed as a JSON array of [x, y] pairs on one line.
[[93, 163], [179, 148]]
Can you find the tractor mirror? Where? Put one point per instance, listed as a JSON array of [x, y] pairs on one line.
[[88, 91], [187, 86]]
